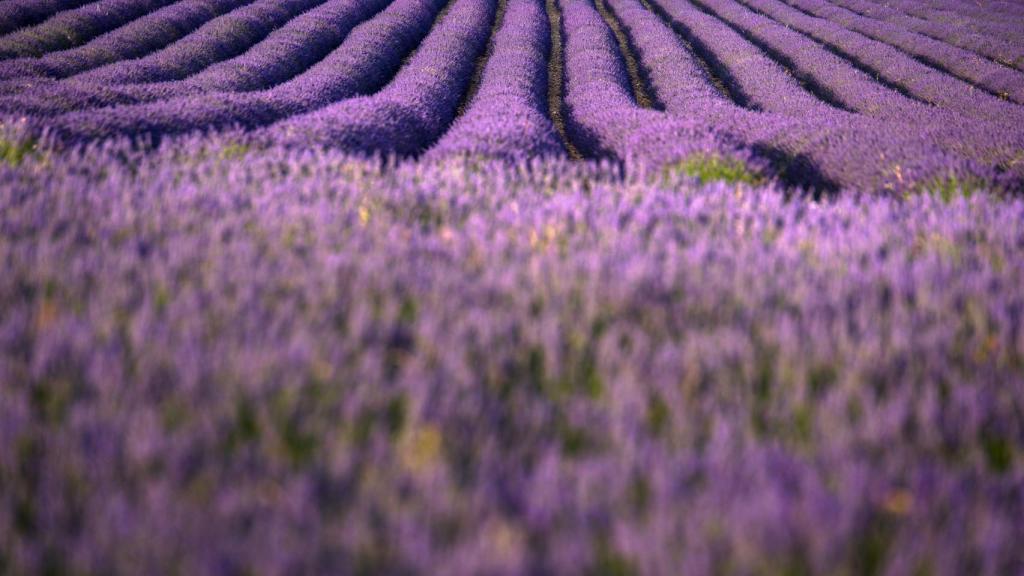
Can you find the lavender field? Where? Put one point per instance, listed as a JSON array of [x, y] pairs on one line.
[[485, 287]]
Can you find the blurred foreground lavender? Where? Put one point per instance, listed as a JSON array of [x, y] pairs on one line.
[[223, 361]]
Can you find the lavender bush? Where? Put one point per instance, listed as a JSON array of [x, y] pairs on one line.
[[299, 361]]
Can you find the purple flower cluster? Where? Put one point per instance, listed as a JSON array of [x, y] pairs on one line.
[[219, 360]]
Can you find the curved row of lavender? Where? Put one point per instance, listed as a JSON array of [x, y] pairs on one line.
[[368, 58], [71, 28], [1007, 50], [219, 39], [992, 77], [869, 77], [744, 44], [602, 114], [138, 38], [814, 94], [903, 71], [986, 18], [277, 361], [419, 103], [16, 14]]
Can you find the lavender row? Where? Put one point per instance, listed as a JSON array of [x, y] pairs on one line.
[[1007, 12], [749, 76], [1009, 53], [981, 73], [16, 14], [282, 55], [416, 107], [602, 117], [365, 62], [135, 39], [691, 85], [221, 38], [75, 27], [506, 118], [980, 22], [826, 147], [898, 68], [297, 362]]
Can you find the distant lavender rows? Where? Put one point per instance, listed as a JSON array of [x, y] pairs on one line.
[[802, 90], [132, 40], [16, 14], [758, 104], [70, 28], [219, 360], [988, 18], [1008, 49], [298, 44]]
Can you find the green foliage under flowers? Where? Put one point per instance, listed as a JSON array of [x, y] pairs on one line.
[[953, 186], [14, 152], [711, 168]]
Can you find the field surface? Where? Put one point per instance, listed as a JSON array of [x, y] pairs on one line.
[[729, 287]]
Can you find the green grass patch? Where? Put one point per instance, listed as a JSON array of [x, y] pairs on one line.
[[998, 453], [14, 152], [951, 187], [712, 168], [234, 151]]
